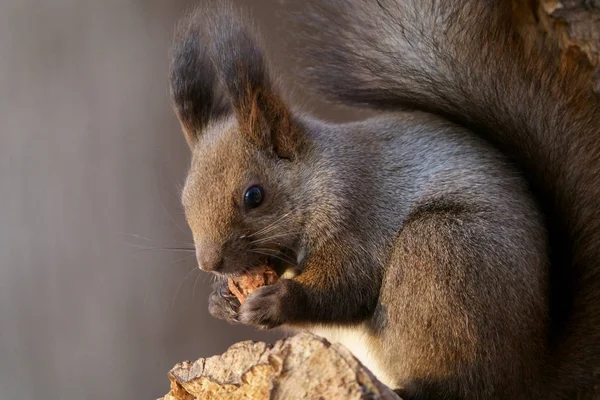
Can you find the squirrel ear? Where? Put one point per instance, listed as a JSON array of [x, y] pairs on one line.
[[241, 64], [197, 95]]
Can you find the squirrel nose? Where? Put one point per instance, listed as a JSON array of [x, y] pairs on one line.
[[209, 256]]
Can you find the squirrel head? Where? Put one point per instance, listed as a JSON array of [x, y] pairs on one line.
[[240, 195]]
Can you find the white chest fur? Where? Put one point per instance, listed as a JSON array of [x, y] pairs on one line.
[[357, 341]]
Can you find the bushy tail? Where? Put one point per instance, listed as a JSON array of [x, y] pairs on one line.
[[466, 60]]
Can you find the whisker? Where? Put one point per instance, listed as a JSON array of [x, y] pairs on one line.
[[253, 265], [180, 260], [179, 287], [277, 247], [293, 253], [271, 225], [277, 236], [187, 232], [271, 229], [274, 254], [147, 239], [195, 283], [153, 287], [174, 249], [135, 236]]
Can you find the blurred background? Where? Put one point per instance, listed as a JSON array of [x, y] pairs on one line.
[[91, 163]]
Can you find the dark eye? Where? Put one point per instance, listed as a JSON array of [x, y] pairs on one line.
[[253, 197]]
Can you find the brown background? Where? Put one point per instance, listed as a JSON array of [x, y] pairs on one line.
[[91, 159]]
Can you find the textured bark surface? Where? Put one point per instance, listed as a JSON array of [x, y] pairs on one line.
[[575, 24], [304, 366]]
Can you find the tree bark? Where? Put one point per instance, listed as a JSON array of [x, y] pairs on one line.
[[302, 367], [575, 25]]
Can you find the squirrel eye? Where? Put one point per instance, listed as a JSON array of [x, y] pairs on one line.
[[253, 197]]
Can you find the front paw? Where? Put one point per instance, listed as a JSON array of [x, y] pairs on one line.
[[267, 307], [222, 304]]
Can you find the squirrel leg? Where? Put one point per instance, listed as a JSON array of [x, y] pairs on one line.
[[462, 313], [327, 291], [222, 304]]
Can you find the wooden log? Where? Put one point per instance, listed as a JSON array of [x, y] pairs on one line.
[[301, 367]]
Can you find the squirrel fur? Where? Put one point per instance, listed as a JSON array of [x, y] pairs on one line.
[[453, 239]]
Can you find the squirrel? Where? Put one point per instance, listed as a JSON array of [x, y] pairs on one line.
[[452, 240]]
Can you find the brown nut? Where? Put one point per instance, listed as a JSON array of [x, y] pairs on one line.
[[242, 286]]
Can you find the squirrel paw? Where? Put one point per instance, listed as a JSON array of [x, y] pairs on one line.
[[222, 304], [264, 307]]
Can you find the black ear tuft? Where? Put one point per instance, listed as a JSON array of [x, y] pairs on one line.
[[237, 54], [240, 62], [195, 89], [218, 67]]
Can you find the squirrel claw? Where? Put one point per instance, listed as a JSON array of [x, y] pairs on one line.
[[264, 307], [222, 304]]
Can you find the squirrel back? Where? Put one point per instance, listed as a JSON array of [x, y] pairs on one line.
[[467, 61]]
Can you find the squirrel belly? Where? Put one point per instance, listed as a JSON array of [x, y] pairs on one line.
[[358, 340]]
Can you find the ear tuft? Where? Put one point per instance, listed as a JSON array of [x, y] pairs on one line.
[[241, 64], [196, 92], [218, 67]]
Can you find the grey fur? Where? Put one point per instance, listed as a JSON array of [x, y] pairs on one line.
[[467, 61], [407, 229]]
